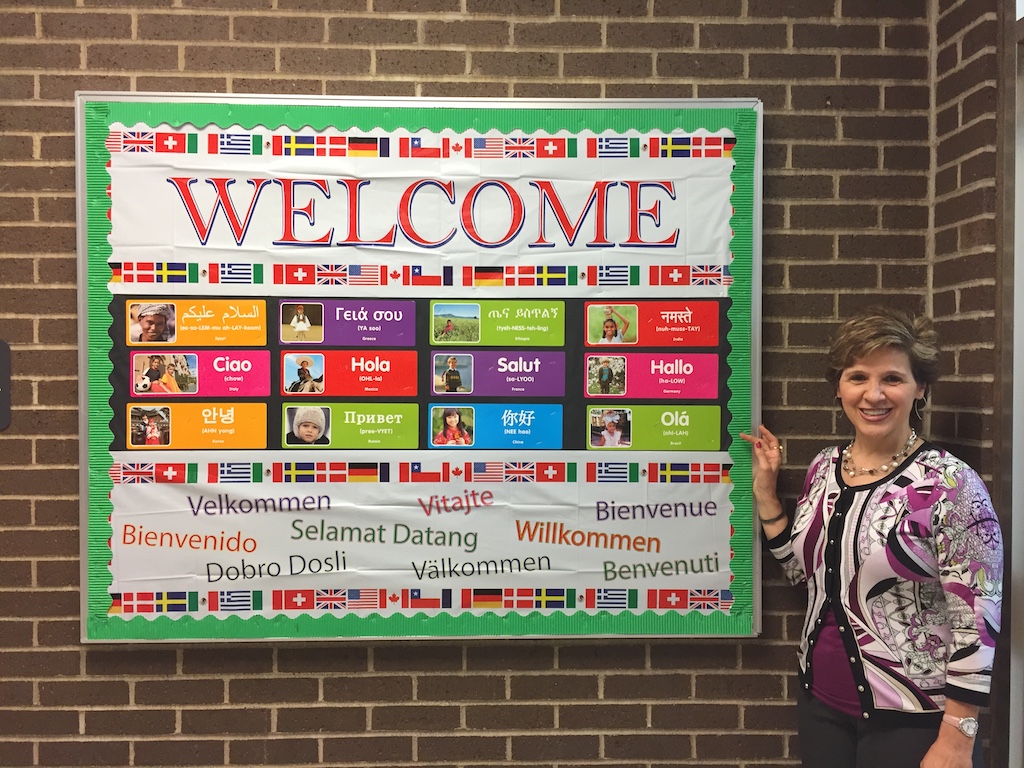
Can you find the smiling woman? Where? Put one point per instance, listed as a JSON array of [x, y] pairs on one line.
[[893, 537]]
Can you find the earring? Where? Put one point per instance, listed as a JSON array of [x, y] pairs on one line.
[[918, 405]]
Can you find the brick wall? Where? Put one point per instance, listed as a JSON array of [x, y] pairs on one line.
[[879, 165]]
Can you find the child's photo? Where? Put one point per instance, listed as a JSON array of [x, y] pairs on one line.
[[149, 427], [606, 375], [610, 428], [456, 323], [165, 374], [453, 373], [303, 374], [452, 426], [302, 323], [611, 324], [151, 323], [308, 425]]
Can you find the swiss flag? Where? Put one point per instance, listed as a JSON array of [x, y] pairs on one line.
[[170, 473], [675, 599], [293, 599], [550, 147], [673, 275], [170, 142], [550, 472], [295, 274]]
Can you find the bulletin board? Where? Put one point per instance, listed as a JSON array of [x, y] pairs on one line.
[[411, 368]]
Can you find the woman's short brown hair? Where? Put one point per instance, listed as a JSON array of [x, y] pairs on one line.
[[879, 327]]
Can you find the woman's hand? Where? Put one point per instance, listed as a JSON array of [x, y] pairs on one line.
[[767, 461]]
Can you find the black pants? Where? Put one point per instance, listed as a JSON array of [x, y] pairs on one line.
[[831, 739]]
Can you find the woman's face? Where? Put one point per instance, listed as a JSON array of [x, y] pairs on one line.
[[878, 393], [610, 328], [452, 420]]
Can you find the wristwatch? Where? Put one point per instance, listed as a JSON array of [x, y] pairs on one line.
[[968, 726]]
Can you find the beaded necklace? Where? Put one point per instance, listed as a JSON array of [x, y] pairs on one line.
[[849, 469]]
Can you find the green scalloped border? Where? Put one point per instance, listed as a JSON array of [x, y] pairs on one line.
[[99, 115]]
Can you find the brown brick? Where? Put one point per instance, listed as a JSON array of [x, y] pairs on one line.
[[131, 56], [368, 689], [37, 542], [460, 688], [514, 64], [276, 29], [77, 752], [17, 209], [659, 35], [837, 158], [647, 747], [907, 97], [62, 87], [17, 270], [602, 716], [802, 186], [744, 37], [223, 661], [16, 573], [905, 158], [122, 662], [179, 692], [973, 202], [35, 177], [951, 86], [472, 89], [553, 687], [980, 37], [57, 393], [558, 34], [880, 9], [57, 573], [39, 239], [375, 31], [56, 209], [190, 82], [738, 745], [18, 24], [234, 720], [90, 26], [54, 481], [698, 8], [83, 692], [841, 36], [347, 658], [513, 8], [901, 275], [472, 33], [20, 87], [603, 656], [28, 722], [274, 752], [693, 655], [127, 722], [841, 216], [511, 657], [401, 657], [292, 86], [461, 748], [839, 97], [200, 58], [791, 246], [892, 67], [184, 27], [40, 56], [886, 128], [694, 66], [57, 511], [17, 753], [608, 65], [649, 90], [273, 690], [887, 187], [790, 66], [696, 717], [369, 749], [179, 752], [321, 719], [831, 275], [371, 88], [335, 6], [772, 96], [15, 633], [610, 8], [906, 37], [647, 687], [510, 717], [526, 749], [415, 718], [814, 127], [416, 6], [420, 62], [960, 17], [904, 217]]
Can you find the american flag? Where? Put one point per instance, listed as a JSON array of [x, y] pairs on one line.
[[520, 147], [520, 472], [332, 274], [364, 274], [364, 598], [330, 598], [710, 274], [121, 474], [488, 472], [487, 147], [725, 601]]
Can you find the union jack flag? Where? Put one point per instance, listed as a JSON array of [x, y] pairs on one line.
[[121, 474], [330, 598], [704, 599], [520, 147], [488, 471], [710, 274], [131, 141], [332, 274], [520, 472]]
